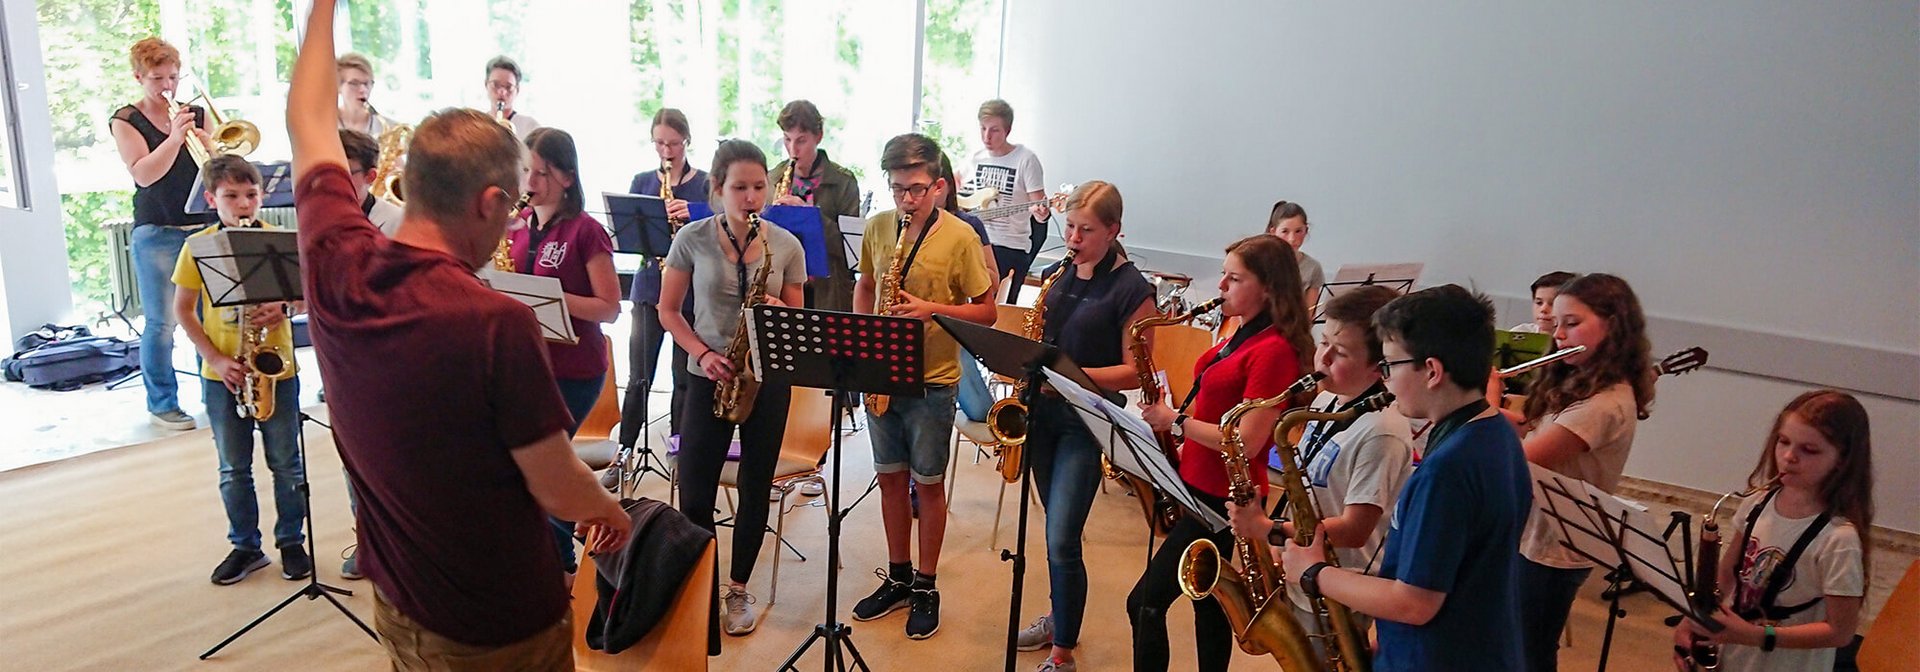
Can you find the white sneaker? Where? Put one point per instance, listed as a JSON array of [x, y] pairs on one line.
[[813, 488], [1037, 636], [739, 604], [774, 494], [175, 420]]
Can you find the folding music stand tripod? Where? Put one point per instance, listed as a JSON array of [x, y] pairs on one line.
[[842, 352], [252, 266], [640, 225]]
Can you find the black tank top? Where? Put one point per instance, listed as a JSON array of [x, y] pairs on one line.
[[164, 202]]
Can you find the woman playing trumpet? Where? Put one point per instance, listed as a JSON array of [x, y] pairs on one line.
[[720, 255], [1259, 283], [1094, 294]]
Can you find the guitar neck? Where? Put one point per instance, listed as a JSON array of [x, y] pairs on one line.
[[1002, 210]]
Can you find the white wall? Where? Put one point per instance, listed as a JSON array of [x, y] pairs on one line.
[[33, 247], [1753, 169]]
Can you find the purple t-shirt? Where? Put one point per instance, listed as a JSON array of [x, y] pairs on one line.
[[564, 250], [432, 379]]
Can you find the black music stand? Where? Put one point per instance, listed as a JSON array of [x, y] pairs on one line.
[[842, 352], [640, 226], [1602, 528], [1025, 359], [251, 266]]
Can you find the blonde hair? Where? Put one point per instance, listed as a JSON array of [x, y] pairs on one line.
[[151, 53], [354, 61], [999, 109], [1100, 198]]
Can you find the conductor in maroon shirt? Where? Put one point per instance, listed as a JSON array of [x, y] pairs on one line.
[[443, 403]]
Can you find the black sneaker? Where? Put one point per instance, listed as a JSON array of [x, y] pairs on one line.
[[892, 595], [237, 566], [924, 619], [295, 564]]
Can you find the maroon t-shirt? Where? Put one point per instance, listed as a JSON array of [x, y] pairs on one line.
[[1261, 367], [564, 250], [431, 378]]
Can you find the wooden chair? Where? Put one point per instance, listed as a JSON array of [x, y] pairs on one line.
[[1892, 644], [809, 435], [1175, 349], [678, 642]]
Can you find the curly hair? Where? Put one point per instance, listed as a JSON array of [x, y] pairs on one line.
[[1624, 356], [151, 53]]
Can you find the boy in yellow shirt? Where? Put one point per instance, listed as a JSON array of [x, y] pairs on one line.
[[942, 274], [233, 189]]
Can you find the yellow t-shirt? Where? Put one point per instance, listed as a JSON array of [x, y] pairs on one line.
[[947, 270], [223, 324]]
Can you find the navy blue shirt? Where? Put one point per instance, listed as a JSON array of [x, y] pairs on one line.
[[1456, 530], [1087, 318], [646, 283]]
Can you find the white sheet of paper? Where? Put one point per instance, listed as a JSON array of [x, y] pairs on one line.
[[543, 295], [1602, 520], [1146, 461], [219, 274]]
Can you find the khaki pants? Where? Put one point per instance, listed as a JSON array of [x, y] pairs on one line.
[[412, 647]]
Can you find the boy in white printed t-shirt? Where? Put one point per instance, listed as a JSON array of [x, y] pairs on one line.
[[1355, 469], [1014, 172]]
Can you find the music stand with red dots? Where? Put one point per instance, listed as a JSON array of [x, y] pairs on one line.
[[842, 352]]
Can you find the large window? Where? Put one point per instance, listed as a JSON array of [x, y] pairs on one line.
[[596, 68]]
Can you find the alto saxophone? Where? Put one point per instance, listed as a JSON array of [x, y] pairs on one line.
[[785, 183], [1254, 599], [1160, 510], [393, 155], [666, 194], [503, 253], [888, 294], [1007, 419], [1348, 652], [733, 398], [264, 365], [1705, 595]]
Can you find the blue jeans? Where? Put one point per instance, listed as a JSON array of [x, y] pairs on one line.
[[580, 394], [233, 438], [156, 251], [972, 392], [1544, 604], [1066, 469], [914, 434]]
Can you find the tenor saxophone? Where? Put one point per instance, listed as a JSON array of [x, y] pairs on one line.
[[1254, 598], [1007, 419], [887, 295], [733, 398], [1348, 652], [1160, 510]]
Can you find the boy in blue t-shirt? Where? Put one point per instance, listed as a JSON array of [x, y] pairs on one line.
[[1446, 597]]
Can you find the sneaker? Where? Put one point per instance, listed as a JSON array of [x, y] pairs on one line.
[[295, 564], [350, 569], [924, 619], [175, 420], [813, 487], [1051, 665], [891, 596], [237, 566], [739, 604], [1037, 636], [775, 493]]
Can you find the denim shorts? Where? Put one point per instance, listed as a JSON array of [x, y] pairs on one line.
[[916, 432]]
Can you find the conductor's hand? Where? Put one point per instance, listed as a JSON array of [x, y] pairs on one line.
[[677, 210], [717, 367], [607, 531], [914, 307], [1249, 521], [231, 371], [1159, 416], [1295, 559]]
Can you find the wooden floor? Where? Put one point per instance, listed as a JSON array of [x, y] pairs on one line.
[[104, 561]]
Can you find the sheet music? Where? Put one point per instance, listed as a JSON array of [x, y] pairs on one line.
[[1602, 525], [1407, 272], [1130, 444], [543, 295], [852, 232], [219, 273]]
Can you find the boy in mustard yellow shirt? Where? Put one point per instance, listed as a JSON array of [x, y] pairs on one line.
[[943, 274], [233, 189]]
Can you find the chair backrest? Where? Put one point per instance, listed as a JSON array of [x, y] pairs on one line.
[[809, 431], [1891, 644], [677, 642], [1175, 349], [1012, 319], [606, 411]]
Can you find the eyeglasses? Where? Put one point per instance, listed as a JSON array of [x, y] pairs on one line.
[[1386, 366], [502, 86], [915, 191], [360, 83], [670, 144]]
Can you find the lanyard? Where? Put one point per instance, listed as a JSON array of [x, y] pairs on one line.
[[1325, 431], [900, 232], [740, 253], [535, 237], [1247, 331]]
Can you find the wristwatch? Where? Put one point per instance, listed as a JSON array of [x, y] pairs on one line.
[[1175, 429], [1278, 535], [1310, 579]]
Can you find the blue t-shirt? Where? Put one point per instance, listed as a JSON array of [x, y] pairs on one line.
[[646, 282], [1456, 530]]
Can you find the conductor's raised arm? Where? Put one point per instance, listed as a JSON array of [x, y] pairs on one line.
[[312, 120]]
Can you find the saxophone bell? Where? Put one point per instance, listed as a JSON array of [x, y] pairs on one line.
[[1008, 419]]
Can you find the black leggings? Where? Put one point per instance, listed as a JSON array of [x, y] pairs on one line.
[[1159, 587], [704, 441], [643, 352]]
